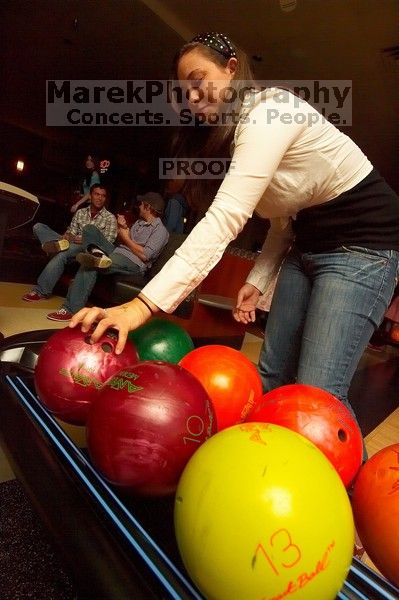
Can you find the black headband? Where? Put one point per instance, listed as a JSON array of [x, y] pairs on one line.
[[216, 41]]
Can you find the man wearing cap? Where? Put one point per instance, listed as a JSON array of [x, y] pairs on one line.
[[139, 247]]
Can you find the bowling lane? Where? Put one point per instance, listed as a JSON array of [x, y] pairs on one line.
[[152, 516], [126, 548]]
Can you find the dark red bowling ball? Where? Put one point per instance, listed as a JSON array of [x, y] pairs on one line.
[[70, 371], [146, 423], [318, 416]]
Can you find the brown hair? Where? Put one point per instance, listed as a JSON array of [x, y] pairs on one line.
[[210, 141]]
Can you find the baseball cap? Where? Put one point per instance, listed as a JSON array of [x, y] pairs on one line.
[[154, 199]]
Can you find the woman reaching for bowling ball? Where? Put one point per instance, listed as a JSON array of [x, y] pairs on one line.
[[334, 235]]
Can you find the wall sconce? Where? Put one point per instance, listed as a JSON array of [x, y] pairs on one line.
[[20, 166]]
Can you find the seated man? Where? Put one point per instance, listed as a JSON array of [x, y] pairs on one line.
[[138, 249], [67, 246]]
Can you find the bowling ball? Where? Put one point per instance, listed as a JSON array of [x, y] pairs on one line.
[[319, 416], [231, 380], [145, 424], [375, 503], [70, 371], [261, 513], [159, 339], [394, 333]]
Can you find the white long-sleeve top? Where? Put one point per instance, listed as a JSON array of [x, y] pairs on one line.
[[280, 165]]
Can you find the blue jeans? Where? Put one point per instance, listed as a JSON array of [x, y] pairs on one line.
[[85, 279], [323, 313], [56, 265]]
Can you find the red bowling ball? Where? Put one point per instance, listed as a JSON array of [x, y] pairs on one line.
[[231, 380], [146, 423], [70, 371], [375, 503], [320, 417]]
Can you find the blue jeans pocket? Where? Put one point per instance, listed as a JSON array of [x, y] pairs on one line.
[[369, 253]]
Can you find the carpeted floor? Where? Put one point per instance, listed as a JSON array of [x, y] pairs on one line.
[[17, 316], [29, 565]]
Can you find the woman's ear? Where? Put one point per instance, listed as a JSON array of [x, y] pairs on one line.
[[232, 65]]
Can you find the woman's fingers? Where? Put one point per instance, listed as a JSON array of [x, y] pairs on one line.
[[122, 337], [100, 329], [78, 317], [102, 320], [244, 316], [88, 316]]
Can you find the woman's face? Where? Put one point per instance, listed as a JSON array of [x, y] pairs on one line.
[[89, 163], [204, 83]]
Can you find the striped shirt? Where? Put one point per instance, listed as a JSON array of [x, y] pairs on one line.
[[103, 220]]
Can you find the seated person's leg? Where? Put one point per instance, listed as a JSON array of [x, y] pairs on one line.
[[51, 274], [78, 294], [83, 284], [97, 247], [50, 240], [92, 236], [123, 265]]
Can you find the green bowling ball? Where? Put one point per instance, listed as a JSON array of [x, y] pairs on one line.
[[159, 339]]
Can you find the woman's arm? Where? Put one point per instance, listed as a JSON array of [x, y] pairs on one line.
[[260, 147]]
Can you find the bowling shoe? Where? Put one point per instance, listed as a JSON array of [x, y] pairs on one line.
[[33, 296], [93, 260], [55, 246], [60, 315]]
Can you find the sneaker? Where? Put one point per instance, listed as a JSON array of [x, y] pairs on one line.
[[98, 261], [60, 315], [55, 246], [33, 296]]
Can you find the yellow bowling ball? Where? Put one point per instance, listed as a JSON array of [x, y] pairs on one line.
[[260, 513]]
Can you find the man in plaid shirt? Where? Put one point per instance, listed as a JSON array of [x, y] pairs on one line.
[[67, 246]]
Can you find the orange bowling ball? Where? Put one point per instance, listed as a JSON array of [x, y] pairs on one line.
[[231, 380], [394, 333], [375, 504]]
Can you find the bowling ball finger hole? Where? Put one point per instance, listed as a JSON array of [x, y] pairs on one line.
[[342, 435], [106, 347]]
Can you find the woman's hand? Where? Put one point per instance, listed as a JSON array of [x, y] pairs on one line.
[[247, 299], [123, 318]]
